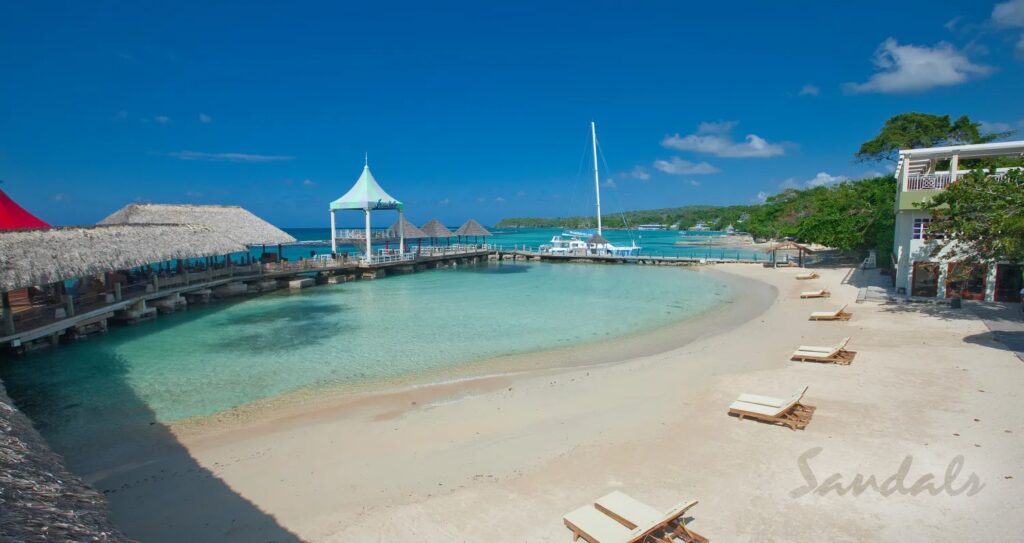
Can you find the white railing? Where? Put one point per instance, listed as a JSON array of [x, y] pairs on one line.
[[942, 180]]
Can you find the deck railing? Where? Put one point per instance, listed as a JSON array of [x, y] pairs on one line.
[[942, 180]]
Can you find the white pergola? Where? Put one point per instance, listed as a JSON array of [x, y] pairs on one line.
[[923, 161], [367, 195]]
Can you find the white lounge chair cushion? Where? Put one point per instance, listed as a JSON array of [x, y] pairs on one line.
[[629, 508], [763, 400], [813, 292], [826, 313], [765, 405], [599, 526]]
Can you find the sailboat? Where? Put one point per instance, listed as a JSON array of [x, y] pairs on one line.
[[588, 243]]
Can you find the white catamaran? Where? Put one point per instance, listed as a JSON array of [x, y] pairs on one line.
[[573, 242]]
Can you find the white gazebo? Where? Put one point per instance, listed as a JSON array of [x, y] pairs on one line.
[[367, 195]]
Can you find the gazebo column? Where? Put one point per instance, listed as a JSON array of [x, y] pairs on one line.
[[401, 232], [334, 243], [369, 249]]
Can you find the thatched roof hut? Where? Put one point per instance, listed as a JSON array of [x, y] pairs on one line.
[[434, 229], [43, 256], [471, 228], [789, 246], [411, 231], [234, 222], [40, 499]]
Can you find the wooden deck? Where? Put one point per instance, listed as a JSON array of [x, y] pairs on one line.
[[95, 315]]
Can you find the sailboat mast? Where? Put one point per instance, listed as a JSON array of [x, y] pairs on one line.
[[597, 177]]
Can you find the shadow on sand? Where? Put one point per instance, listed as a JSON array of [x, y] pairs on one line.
[[108, 436]]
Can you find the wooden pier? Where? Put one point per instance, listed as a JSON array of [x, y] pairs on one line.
[[141, 302]]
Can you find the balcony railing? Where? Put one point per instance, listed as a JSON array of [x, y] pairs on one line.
[[942, 180]]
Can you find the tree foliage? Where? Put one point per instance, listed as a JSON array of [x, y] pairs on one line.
[[984, 214], [916, 130]]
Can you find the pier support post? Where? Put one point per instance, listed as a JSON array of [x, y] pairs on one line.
[[156, 283], [8, 315], [117, 291], [369, 246], [334, 243]]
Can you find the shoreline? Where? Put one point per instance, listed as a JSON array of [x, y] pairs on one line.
[[490, 373], [450, 462]]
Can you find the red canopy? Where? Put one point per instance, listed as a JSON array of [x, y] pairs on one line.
[[14, 217]]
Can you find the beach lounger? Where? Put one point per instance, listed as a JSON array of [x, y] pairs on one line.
[[837, 315], [835, 355], [808, 275], [634, 513], [785, 411], [631, 522], [823, 293]]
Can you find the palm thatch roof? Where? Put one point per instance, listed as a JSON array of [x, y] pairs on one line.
[[434, 229], [787, 245], [411, 230], [41, 500], [472, 228], [43, 256], [234, 222]]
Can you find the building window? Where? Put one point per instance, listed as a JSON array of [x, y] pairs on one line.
[[920, 228]]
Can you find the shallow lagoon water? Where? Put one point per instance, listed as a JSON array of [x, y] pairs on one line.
[[213, 358]]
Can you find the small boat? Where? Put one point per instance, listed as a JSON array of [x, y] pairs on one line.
[[651, 227], [587, 243]]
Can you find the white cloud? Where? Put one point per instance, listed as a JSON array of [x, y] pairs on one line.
[[809, 90], [162, 119], [987, 126], [205, 119], [121, 115], [694, 183], [820, 180], [481, 199], [715, 139], [916, 68], [500, 199], [1019, 50], [228, 157], [678, 166], [762, 196], [192, 194], [610, 183], [521, 193], [951, 24], [308, 183], [443, 202], [59, 197], [639, 172], [1009, 14]]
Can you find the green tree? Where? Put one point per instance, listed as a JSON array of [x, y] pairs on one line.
[[916, 130], [984, 214]]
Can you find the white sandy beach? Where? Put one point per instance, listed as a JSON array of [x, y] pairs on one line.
[[502, 459]]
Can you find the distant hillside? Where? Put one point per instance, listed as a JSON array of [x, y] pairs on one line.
[[685, 217]]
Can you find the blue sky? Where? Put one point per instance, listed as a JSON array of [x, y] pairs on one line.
[[475, 109]]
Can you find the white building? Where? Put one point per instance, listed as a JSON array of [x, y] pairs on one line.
[[923, 261]]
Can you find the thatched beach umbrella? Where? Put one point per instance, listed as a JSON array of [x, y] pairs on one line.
[[472, 228], [43, 500], [435, 230], [410, 231], [789, 246]]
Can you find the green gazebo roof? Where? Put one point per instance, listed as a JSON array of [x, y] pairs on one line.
[[366, 194]]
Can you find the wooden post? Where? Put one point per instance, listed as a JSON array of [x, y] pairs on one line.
[[8, 315], [156, 283], [117, 291]]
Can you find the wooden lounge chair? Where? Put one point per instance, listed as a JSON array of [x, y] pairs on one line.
[[823, 293], [785, 411], [633, 513], [632, 522], [808, 275], [837, 315], [833, 355]]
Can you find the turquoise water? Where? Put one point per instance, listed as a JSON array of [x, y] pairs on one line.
[[653, 243], [210, 359]]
